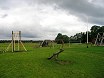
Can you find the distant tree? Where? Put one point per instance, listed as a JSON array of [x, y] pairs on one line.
[[94, 31], [101, 29], [76, 38], [58, 38], [83, 38], [61, 38], [92, 34], [65, 39]]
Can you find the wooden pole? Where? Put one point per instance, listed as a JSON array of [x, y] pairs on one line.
[[20, 35], [62, 44], [8, 47], [12, 43], [23, 46], [19, 39], [14, 40], [102, 38], [18, 42]]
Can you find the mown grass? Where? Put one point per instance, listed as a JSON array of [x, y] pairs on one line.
[[82, 62]]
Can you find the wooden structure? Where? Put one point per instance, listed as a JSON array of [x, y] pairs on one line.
[[47, 43], [100, 39], [16, 42], [44, 43], [55, 55]]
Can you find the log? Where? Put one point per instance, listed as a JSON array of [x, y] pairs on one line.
[[55, 55]]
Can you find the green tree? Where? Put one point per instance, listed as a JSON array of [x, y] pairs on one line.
[[83, 38], [65, 39], [61, 38], [94, 31]]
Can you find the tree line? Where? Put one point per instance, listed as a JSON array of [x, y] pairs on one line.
[[82, 36], [92, 34]]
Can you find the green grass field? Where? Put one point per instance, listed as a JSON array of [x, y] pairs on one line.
[[76, 62]]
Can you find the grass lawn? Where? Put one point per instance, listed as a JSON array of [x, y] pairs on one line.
[[77, 61]]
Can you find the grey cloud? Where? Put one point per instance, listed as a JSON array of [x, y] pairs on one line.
[[8, 33], [4, 4], [10, 4], [79, 8], [3, 16], [29, 35], [82, 9]]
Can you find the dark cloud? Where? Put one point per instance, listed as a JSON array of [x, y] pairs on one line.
[[29, 35], [5, 4], [82, 9], [79, 8]]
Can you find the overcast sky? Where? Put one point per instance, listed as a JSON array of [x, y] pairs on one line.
[[44, 19]]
